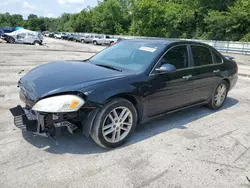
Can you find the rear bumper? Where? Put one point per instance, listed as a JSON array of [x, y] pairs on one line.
[[233, 81]]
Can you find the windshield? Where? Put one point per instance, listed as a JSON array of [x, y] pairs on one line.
[[129, 55]]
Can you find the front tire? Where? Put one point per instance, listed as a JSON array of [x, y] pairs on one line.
[[95, 43], [115, 123], [219, 96], [11, 40]]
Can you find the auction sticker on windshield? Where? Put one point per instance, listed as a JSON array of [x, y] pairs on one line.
[[147, 49]]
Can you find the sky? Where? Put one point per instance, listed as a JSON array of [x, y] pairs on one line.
[[46, 8]]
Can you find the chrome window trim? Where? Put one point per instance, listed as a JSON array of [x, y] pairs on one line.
[[211, 51], [152, 70], [191, 67], [222, 59]]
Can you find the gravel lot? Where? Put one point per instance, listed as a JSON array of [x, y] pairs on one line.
[[195, 148]]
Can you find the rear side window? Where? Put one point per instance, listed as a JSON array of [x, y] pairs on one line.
[[217, 58], [177, 56], [202, 56]]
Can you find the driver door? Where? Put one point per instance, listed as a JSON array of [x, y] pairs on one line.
[[170, 91]]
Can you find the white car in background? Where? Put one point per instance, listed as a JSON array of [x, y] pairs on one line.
[[24, 36], [58, 35], [91, 38], [105, 39]]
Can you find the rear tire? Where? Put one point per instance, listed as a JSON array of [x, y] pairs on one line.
[[83, 41], [95, 43], [219, 96], [114, 123], [37, 43]]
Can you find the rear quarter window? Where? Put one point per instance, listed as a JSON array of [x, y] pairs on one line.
[[217, 58]]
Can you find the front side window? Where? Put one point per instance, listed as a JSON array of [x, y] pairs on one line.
[[129, 55], [21, 35], [202, 56], [177, 56]]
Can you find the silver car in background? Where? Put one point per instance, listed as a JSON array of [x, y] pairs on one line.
[[24, 36], [90, 38], [105, 40]]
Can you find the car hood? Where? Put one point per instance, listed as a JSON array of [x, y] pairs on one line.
[[58, 77]]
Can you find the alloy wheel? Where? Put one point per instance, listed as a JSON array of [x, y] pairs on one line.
[[117, 124], [220, 95]]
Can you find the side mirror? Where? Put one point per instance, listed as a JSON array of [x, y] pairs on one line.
[[165, 68]]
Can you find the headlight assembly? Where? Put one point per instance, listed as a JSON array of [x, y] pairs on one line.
[[62, 103]]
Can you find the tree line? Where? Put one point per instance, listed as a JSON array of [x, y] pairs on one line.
[[199, 19]]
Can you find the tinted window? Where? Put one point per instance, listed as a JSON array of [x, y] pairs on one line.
[[217, 58], [177, 56], [201, 55]]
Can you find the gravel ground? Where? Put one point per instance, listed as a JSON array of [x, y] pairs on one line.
[[195, 148]]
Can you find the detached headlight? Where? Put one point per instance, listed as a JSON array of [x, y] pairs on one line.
[[62, 103]]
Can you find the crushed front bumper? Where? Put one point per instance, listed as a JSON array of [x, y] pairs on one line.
[[42, 124]]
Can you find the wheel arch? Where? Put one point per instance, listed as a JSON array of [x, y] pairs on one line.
[[88, 121], [134, 100], [228, 82], [36, 41]]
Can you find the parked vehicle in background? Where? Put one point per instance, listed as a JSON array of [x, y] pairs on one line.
[[124, 85], [65, 36], [1, 32], [77, 38], [89, 38], [105, 40], [24, 36], [59, 35], [8, 29], [18, 27], [83, 38], [118, 40], [46, 33], [74, 37], [51, 35]]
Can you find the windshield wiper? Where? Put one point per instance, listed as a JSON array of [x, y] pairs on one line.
[[109, 67]]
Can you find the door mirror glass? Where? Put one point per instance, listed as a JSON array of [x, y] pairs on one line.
[[166, 68]]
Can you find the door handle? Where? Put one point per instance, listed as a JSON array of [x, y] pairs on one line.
[[187, 77], [216, 71]]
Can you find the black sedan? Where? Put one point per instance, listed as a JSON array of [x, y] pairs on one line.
[[126, 84]]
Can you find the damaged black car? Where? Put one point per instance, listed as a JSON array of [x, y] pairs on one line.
[[129, 83]]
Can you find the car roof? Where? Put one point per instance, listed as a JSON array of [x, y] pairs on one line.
[[168, 42]]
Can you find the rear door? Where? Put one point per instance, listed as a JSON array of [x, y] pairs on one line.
[[89, 38], [206, 72], [102, 39], [30, 38], [170, 91]]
